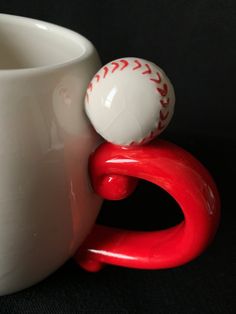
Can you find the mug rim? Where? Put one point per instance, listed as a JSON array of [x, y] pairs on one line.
[[86, 45]]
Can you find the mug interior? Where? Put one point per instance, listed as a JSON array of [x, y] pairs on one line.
[[28, 43]]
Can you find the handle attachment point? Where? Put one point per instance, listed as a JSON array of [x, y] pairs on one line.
[[114, 187]]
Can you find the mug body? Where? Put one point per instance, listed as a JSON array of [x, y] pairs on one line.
[[47, 206]]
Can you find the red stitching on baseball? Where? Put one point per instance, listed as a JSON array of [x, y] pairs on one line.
[[116, 65], [148, 71], [163, 116], [160, 126], [163, 91], [158, 80], [165, 102], [125, 64], [138, 65], [150, 136], [90, 87], [105, 69], [97, 77]]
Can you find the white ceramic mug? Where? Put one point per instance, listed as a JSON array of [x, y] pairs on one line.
[[44, 72], [47, 150]]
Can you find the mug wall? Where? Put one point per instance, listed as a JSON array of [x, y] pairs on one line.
[[47, 205]]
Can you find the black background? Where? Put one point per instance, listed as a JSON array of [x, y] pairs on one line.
[[194, 42]]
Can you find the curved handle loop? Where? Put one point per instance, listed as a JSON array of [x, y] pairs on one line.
[[114, 172]]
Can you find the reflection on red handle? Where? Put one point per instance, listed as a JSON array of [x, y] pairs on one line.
[[114, 172]]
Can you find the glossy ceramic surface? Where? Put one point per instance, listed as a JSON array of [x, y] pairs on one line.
[[130, 101], [47, 204], [46, 208], [114, 171]]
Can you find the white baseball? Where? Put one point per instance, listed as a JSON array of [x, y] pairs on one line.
[[130, 101]]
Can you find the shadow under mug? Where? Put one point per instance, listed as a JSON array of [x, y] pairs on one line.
[[49, 153]]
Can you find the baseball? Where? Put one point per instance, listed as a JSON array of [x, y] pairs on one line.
[[130, 101]]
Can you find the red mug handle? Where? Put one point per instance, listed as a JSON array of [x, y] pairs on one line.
[[114, 172]]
